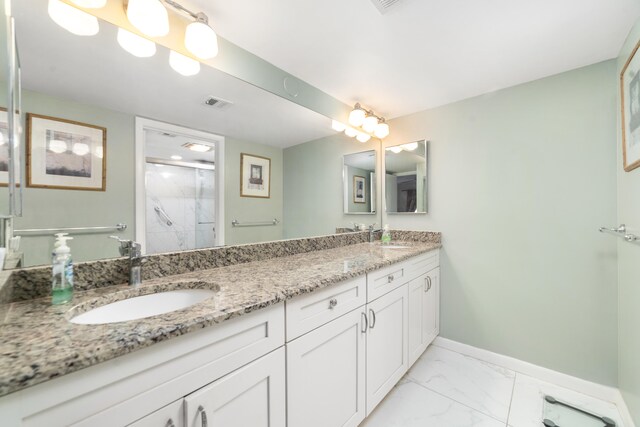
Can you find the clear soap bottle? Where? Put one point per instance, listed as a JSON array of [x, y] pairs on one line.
[[386, 235], [62, 271]]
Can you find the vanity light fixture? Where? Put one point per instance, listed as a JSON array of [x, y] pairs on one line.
[[90, 4], [148, 16], [382, 129], [183, 64], [136, 45], [357, 116], [73, 20], [368, 121], [200, 148]]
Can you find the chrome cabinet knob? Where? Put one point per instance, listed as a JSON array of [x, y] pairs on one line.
[[390, 278], [332, 303], [170, 423]]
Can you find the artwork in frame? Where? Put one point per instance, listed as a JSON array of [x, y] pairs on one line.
[[630, 97], [255, 176], [65, 154], [359, 189]]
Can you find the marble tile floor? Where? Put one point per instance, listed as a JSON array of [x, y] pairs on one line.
[[447, 389]]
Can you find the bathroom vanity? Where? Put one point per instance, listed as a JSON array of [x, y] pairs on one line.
[[312, 339]]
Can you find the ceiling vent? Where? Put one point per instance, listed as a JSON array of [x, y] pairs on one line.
[[219, 103], [384, 5]]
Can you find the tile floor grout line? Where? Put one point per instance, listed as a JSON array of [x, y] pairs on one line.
[[513, 389], [459, 403]]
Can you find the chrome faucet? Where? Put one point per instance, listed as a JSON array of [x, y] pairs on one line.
[[133, 250], [372, 230]]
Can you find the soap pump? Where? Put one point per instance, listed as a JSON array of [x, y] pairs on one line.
[[62, 271], [386, 235]]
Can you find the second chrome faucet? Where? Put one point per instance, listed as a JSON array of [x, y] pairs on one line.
[[133, 250]]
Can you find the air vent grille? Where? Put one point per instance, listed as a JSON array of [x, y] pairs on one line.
[[217, 103], [384, 5]]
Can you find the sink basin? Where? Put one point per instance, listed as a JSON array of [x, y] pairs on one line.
[[143, 306], [394, 247]]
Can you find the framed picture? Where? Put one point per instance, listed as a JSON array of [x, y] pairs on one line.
[[255, 176], [359, 192], [630, 97], [65, 154]]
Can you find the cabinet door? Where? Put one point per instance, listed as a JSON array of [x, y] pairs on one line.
[[169, 416], [326, 374], [387, 345], [253, 395], [431, 307], [416, 303]]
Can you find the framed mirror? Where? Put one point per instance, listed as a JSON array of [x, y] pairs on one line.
[[405, 178], [359, 182]]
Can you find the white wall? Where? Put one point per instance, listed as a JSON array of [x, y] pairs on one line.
[[519, 182]]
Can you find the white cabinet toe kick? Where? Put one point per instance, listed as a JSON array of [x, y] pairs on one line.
[[322, 359]]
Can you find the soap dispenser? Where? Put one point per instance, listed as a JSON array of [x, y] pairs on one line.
[[62, 271], [386, 235]]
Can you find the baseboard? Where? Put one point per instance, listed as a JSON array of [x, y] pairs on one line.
[[598, 391]]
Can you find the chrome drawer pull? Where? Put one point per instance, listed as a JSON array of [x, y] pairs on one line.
[[332, 303], [373, 319], [428, 280], [203, 415], [170, 423], [364, 316], [390, 278]]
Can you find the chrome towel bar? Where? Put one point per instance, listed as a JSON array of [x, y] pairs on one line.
[[620, 231], [45, 231], [237, 223]]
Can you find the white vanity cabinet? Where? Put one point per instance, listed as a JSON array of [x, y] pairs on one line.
[[424, 312], [171, 415]]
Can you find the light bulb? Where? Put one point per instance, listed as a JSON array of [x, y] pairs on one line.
[[201, 40], [183, 64], [356, 117], [363, 137], [136, 45], [410, 146], [90, 4], [80, 149], [350, 132], [57, 146], [382, 130], [370, 123], [99, 152], [73, 20], [337, 126], [397, 149], [149, 16]]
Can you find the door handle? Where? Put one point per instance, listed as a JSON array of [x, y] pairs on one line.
[[373, 319], [428, 281], [203, 415], [363, 317]]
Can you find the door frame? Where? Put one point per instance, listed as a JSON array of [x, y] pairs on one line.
[[142, 124]]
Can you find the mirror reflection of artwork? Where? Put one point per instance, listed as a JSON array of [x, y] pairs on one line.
[[4, 151], [406, 178], [255, 176], [630, 96], [359, 194], [65, 154]]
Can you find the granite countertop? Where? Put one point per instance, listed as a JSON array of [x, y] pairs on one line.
[[38, 343]]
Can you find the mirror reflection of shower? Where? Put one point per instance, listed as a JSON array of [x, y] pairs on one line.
[[180, 192]]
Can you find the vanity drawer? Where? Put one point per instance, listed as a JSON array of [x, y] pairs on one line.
[[386, 279], [421, 264], [310, 311]]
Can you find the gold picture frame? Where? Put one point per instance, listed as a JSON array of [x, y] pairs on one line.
[[255, 176], [630, 110], [65, 154]]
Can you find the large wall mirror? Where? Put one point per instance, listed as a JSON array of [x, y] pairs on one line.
[[406, 178], [123, 145], [360, 182]]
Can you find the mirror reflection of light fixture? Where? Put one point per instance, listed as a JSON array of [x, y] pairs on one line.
[[57, 146], [136, 45], [350, 132], [90, 4], [80, 149], [395, 150], [200, 39], [410, 146], [149, 16], [183, 64], [363, 137], [73, 20], [200, 148], [99, 152], [338, 126]]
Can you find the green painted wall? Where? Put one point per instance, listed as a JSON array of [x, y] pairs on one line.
[[628, 272], [313, 202], [519, 182], [246, 209]]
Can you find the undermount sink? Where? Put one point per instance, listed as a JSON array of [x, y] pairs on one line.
[[143, 306]]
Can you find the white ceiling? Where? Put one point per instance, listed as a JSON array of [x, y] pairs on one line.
[[96, 71], [423, 53]]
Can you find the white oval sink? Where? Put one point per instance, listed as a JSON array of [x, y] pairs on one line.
[[143, 306]]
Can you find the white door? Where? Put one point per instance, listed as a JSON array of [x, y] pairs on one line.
[[416, 303], [431, 307], [387, 345], [326, 374], [169, 416], [253, 395]]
